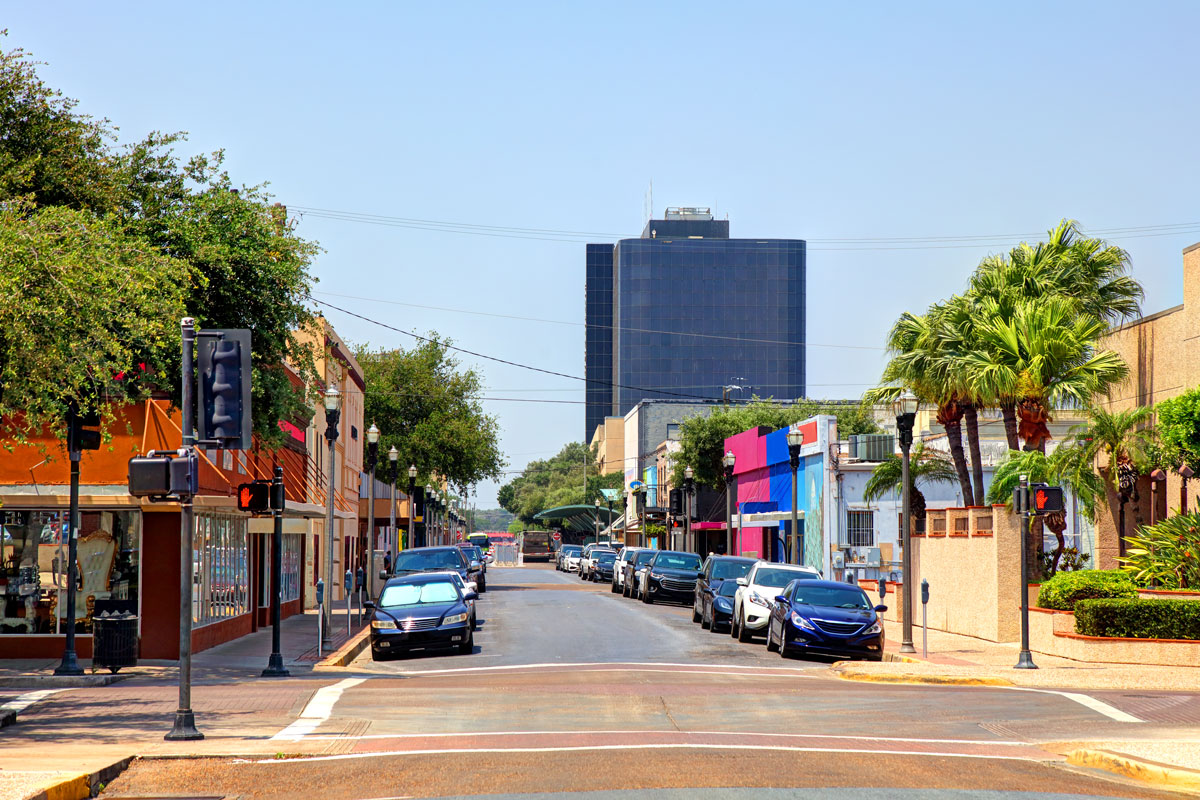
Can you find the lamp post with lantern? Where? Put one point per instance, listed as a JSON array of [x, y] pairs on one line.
[[728, 462], [333, 413], [905, 408], [795, 439], [412, 508], [689, 487], [372, 461], [392, 538], [596, 503], [428, 538]]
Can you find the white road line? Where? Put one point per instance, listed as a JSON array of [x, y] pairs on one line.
[[782, 748], [1087, 701], [318, 709], [611, 666], [1000, 742], [24, 701]]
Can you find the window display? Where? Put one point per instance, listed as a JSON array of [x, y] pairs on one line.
[[221, 559]]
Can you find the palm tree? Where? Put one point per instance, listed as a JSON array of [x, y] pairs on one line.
[[925, 467], [953, 329], [1044, 355], [1121, 436], [1069, 466]]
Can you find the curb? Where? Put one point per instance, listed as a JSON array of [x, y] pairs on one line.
[[347, 652], [929, 680], [1145, 771], [59, 681], [896, 657], [83, 786]]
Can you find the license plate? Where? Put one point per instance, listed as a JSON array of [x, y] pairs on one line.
[[456, 638], [384, 644]]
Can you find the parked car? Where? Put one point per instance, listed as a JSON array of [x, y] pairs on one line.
[[603, 566], [671, 575], [756, 595], [464, 587], [623, 558], [825, 617], [716, 608], [589, 558], [417, 612], [564, 553], [477, 565], [436, 559], [717, 570], [633, 573]]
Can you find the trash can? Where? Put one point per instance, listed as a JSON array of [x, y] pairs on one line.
[[114, 641]]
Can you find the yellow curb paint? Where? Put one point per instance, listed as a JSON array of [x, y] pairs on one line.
[[76, 788], [347, 652], [1145, 771], [931, 680]]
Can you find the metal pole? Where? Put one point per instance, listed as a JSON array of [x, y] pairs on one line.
[[185, 721], [412, 507], [797, 553], [70, 664], [905, 430], [393, 541], [275, 668], [327, 606], [371, 523], [729, 512], [1025, 658]]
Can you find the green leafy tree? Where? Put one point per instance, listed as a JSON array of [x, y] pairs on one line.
[[926, 466], [1166, 554], [568, 478], [1124, 440], [1179, 430], [428, 407]]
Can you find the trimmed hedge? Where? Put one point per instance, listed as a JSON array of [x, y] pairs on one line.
[[1062, 591], [1139, 619]]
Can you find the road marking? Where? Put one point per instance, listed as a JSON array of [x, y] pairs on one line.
[[318, 709], [625, 666], [459, 734], [1112, 712], [24, 701], [679, 746]]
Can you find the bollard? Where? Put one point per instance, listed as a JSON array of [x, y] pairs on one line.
[[924, 618]]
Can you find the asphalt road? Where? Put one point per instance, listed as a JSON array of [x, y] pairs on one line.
[[574, 689]]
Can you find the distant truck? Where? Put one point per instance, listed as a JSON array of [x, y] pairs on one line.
[[537, 546]]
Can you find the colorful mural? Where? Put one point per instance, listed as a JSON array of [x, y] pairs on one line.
[[813, 505]]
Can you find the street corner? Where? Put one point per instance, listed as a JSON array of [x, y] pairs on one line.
[[346, 654], [1167, 776], [914, 672]]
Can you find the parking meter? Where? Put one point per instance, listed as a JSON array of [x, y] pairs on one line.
[[320, 614], [348, 582], [882, 588], [360, 579], [924, 619], [924, 591], [320, 591]]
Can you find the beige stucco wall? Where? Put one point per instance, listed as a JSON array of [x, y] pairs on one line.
[[1053, 633], [609, 441]]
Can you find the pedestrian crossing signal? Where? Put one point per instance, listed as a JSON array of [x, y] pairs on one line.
[[255, 497], [1047, 499]]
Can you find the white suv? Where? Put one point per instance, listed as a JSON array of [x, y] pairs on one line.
[[756, 595], [627, 554], [588, 559]]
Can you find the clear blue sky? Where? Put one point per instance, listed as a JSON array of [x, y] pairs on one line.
[[816, 121]]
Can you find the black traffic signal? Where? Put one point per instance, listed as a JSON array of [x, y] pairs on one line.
[[78, 435], [255, 496], [162, 475], [223, 389], [675, 501], [1045, 499]]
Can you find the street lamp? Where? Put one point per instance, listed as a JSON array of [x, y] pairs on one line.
[[333, 413], [372, 460], [429, 504], [596, 502], [795, 440], [727, 462], [392, 538], [412, 490], [689, 486], [905, 408]]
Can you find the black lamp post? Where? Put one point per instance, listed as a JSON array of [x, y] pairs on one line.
[[596, 502], [795, 439], [412, 499], [905, 408], [689, 486], [333, 413], [392, 538], [728, 463], [372, 461]]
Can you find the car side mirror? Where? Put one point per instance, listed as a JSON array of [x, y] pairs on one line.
[[471, 587], [369, 604], [383, 574], [742, 582], [469, 595], [708, 590], [781, 598], [475, 565], [881, 609]]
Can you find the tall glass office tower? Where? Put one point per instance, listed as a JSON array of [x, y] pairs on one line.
[[684, 311]]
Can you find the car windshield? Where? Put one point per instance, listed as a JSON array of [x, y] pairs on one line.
[[571, 550], [728, 589], [416, 594], [677, 561], [427, 560], [605, 558], [777, 578], [643, 557], [832, 596], [723, 570]]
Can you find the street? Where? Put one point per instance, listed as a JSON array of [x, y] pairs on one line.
[[573, 688]]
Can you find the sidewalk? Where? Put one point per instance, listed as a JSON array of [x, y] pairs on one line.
[[74, 732]]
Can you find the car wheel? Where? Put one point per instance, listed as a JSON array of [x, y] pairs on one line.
[[733, 621], [647, 598], [614, 588], [770, 641], [783, 651], [696, 615], [744, 634], [482, 586], [625, 589], [705, 622], [467, 646]]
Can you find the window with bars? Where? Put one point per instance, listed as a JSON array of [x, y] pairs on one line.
[[860, 528]]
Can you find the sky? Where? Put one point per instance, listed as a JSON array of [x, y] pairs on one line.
[[961, 127]]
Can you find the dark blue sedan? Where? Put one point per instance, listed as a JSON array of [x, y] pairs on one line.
[[420, 612], [826, 618]]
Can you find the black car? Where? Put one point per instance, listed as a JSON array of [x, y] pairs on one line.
[[716, 570], [825, 617], [671, 575], [633, 570], [437, 559], [716, 610], [475, 559], [420, 612], [602, 569]]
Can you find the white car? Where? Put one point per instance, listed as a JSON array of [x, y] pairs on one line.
[[571, 561], [588, 559], [626, 555], [756, 595]]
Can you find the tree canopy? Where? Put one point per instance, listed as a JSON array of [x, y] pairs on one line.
[[428, 407], [556, 481]]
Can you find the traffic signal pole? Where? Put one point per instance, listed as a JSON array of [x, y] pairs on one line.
[[275, 668], [70, 665], [1021, 500]]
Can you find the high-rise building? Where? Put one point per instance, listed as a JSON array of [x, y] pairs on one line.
[[684, 312]]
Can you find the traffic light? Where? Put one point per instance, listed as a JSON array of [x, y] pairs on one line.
[[1046, 499], [223, 389], [163, 475], [255, 496], [78, 435], [675, 500]]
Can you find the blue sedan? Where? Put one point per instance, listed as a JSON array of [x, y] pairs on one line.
[[825, 618], [420, 612]]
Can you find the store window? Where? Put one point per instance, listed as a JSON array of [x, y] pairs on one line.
[[34, 576], [221, 577], [291, 567]]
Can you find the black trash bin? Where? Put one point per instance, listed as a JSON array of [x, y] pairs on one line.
[[114, 641]]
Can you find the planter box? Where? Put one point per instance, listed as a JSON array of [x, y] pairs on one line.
[[1053, 633]]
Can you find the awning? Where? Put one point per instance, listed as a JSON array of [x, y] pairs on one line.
[[761, 518], [580, 518]]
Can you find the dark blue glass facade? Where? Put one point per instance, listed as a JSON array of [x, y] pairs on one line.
[[598, 342], [692, 315]]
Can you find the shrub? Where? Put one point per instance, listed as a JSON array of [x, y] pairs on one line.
[[1167, 554], [1066, 588], [1139, 619]]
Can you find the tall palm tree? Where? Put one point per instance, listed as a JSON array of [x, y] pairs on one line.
[[926, 467], [952, 325], [1124, 438], [1044, 355]]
